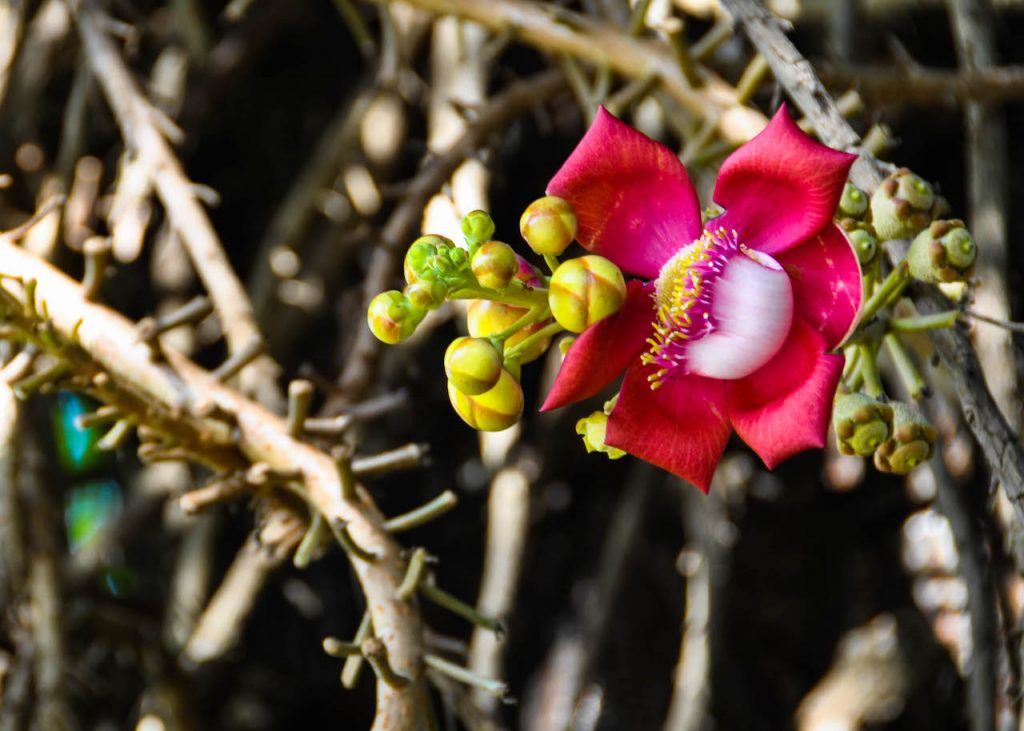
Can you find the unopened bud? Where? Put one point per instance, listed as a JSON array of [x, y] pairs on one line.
[[485, 318], [902, 206], [592, 428], [420, 256], [911, 443], [549, 225], [477, 227], [472, 365], [426, 295], [942, 253], [528, 274], [864, 244], [854, 203], [493, 410], [861, 423], [392, 318], [495, 264], [585, 290]]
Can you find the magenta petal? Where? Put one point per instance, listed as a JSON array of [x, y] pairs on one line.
[[780, 188], [784, 407], [825, 275], [634, 201], [680, 427], [605, 349]]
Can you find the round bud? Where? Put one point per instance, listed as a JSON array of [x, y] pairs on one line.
[[864, 243], [854, 203], [592, 428], [548, 225], [392, 318], [911, 443], [477, 227], [942, 253], [420, 256], [458, 258], [861, 423], [426, 295], [485, 318], [528, 274], [495, 264], [493, 410], [585, 290], [472, 365], [901, 206]]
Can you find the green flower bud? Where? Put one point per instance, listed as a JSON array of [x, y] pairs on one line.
[[911, 443], [942, 253], [477, 227], [495, 265], [392, 318], [493, 410], [864, 243], [548, 225], [458, 257], [565, 343], [426, 295], [472, 365], [419, 258], [901, 207], [585, 290], [861, 423], [485, 318], [592, 429], [854, 203]]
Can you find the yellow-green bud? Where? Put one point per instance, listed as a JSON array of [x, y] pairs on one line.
[[585, 290], [477, 227], [854, 203], [864, 243], [942, 253], [472, 365], [861, 423], [548, 225], [420, 256], [902, 206], [485, 318], [911, 443], [426, 295], [493, 410], [495, 264], [392, 318], [592, 429]]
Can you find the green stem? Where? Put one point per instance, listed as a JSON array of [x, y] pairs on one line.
[[905, 366], [924, 323], [468, 677], [354, 664], [521, 347], [516, 297], [423, 514], [457, 606], [869, 370], [852, 361], [887, 291], [552, 262], [538, 313]]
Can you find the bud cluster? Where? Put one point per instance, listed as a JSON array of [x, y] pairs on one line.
[[513, 311]]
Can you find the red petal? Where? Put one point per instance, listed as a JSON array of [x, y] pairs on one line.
[[780, 188], [681, 427], [825, 275], [604, 349], [784, 407], [634, 201]]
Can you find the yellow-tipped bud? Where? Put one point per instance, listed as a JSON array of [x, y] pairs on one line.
[[911, 443], [392, 318], [426, 295], [477, 227], [942, 253], [472, 365], [592, 429], [485, 318], [420, 257], [493, 410], [861, 423], [585, 290], [495, 264], [548, 225]]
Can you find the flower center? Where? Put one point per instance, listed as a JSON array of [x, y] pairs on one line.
[[723, 310]]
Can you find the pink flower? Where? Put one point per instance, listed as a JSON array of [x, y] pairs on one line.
[[734, 328]]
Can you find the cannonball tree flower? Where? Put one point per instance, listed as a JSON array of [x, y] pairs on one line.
[[733, 326]]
